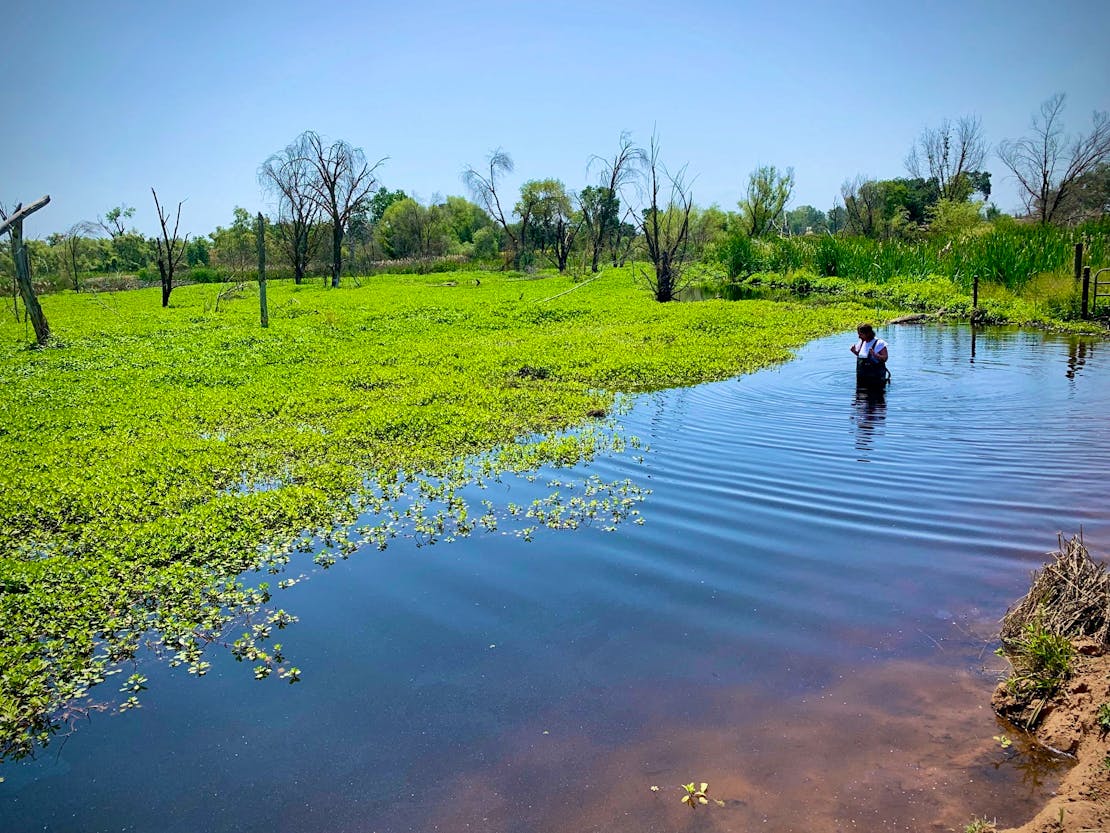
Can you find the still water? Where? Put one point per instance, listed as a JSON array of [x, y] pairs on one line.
[[804, 621]]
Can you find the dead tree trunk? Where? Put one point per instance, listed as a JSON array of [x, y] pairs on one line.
[[14, 226], [170, 249]]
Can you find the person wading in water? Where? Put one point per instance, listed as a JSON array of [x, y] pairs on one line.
[[871, 356]]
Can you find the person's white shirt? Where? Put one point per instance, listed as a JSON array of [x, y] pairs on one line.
[[875, 345]]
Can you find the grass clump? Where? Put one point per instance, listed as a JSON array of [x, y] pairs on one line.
[[1042, 661]]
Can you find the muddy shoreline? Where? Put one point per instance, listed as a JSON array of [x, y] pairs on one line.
[[1081, 804]]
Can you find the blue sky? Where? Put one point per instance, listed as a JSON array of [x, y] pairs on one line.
[[104, 100]]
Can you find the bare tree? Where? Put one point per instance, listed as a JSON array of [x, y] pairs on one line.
[[665, 223], [768, 193], [600, 205], [287, 176], [171, 249], [74, 236], [341, 184], [1048, 163], [484, 190], [948, 155]]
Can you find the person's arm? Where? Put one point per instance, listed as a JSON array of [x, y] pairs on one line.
[[855, 348], [881, 354]]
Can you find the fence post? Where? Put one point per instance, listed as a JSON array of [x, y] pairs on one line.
[[260, 234], [1078, 261], [1086, 289], [974, 296]]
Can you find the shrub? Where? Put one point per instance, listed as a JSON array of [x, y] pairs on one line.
[[204, 274]]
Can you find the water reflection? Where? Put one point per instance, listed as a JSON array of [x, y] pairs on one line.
[[868, 414], [1078, 352]]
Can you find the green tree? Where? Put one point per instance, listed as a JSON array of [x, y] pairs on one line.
[[235, 246], [955, 218], [486, 243], [196, 253], [708, 229], [409, 229], [806, 218], [465, 218], [129, 252], [382, 199], [768, 193], [114, 219], [553, 225]]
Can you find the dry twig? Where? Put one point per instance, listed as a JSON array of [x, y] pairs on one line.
[[1070, 597]]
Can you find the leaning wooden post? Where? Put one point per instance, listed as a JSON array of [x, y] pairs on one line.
[[974, 296], [1086, 289], [260, 234], [1078, 261], [14, 226]]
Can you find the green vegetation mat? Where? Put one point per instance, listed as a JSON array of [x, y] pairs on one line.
[[151, 456]]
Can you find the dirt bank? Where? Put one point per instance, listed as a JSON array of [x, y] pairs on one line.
[[1070, 724]]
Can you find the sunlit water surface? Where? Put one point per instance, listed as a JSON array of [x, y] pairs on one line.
[[805, 621]]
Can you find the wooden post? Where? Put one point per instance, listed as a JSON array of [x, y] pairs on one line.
[[1083, 313], [260, 234], [974, 296], [14, 226], [26, 289], [1078, 261]]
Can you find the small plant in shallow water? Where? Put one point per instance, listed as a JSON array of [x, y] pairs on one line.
[[695, 795], [1003, 741], [980, 826]]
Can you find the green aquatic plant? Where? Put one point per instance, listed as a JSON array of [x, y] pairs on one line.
[[695, 794], [1041, 660]]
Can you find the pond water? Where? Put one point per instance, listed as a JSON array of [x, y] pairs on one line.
[[805, 621]]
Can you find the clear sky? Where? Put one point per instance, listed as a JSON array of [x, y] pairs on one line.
[[103, 100]]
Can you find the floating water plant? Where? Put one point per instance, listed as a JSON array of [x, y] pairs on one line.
[[695, 794]]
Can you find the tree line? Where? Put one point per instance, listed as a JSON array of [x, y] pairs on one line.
[[332, 213]]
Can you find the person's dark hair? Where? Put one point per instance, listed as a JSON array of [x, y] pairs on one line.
[[865, 330]]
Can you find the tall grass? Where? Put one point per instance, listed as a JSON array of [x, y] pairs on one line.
[[1005, 252]]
